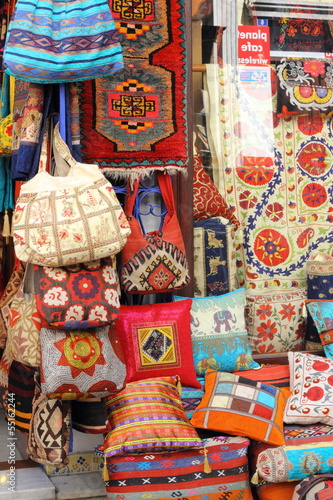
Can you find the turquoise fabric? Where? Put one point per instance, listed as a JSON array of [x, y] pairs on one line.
[[306, 460], [56, 41]]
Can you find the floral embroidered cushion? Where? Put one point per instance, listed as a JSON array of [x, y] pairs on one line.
[[208, 201], [81, 363], [275, 320], [311, 382]]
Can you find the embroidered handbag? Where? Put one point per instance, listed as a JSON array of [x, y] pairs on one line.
[[57, 41], [81, 364], [21, 387], [13, 285], [79, 296], [66, 220], [154, 262], [24, 324]]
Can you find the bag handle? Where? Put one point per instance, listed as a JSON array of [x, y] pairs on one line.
[[60, 149], [164, 183]]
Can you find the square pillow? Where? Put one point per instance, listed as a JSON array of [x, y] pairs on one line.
[[207, 200], [311, 384], [180, 474], [241, 407], [218, 333], [321, 312], [148, 416], [275, 321], [157, 341], [81, 364]]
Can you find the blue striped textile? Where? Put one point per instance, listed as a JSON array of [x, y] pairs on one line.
[[51, 41]]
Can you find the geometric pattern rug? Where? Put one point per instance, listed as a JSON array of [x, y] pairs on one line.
[[134, 121]]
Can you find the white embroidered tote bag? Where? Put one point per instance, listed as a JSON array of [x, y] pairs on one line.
[[65, 220]]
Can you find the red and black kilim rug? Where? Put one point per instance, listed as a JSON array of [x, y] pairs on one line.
[[134, 121]]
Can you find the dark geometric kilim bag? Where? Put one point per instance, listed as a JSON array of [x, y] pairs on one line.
[[316, 487], [154, 262]]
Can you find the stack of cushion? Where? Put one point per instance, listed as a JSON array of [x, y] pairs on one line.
[[167, 445]]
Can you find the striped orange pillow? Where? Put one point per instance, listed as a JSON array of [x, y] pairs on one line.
[[148, 415]]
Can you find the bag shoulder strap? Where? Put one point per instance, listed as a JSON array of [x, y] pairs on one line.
[[164, 183], [53, 139]]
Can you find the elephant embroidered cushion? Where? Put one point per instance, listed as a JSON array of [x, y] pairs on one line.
[[156, 339], [218, 333]]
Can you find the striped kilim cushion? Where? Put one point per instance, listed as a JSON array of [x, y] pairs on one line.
[[148, 416], [181, 475]]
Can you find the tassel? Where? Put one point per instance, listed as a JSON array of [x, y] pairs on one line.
[[6, 227], [105, 471], [304, 311], [255, 478], [179, 386], [207, 469]]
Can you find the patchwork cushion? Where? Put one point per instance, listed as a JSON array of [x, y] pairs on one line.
[[240, 406], [218, 333], [311, 382], [277, 375], [181, 474], [275, 322], [148, 416], [157, 341]]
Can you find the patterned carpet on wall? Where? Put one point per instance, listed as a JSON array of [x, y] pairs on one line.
[[134, 121]]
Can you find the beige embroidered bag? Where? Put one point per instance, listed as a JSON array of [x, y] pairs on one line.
[[65, 220]]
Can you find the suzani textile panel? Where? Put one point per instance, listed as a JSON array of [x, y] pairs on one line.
[[277, 173], [134, 121]]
